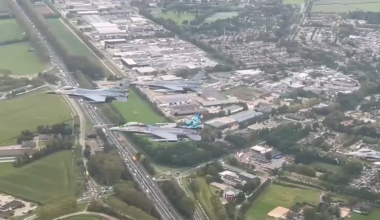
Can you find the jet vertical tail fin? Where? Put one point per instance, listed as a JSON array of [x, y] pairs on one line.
[[199, 76], [121, 86]]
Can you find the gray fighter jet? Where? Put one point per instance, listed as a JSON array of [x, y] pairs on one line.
[[118, 92], [161, 134], [182, 86]]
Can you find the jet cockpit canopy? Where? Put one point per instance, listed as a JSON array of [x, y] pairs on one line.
[[134, 124], [67, 88]]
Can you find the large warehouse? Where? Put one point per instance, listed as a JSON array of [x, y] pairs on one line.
[[241, 119]]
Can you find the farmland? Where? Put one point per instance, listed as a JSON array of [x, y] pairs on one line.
[[341, 6], [13, 30], [19, 60], [221, 15], [27, 112], [137, 110], [41, 181], [74, 44], [178, 18], [276, 195]]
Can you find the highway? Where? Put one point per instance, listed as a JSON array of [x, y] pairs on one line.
[[145, 181]]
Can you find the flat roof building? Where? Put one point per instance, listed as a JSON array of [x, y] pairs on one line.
[[234, 109], [217, 102], [221, 123], [146, 70]]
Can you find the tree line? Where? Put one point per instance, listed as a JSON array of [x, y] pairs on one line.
[[178, 198], [74, 62], [60, 128]]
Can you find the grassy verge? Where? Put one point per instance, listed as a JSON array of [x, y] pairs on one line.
[[42, 181], [27, 112]]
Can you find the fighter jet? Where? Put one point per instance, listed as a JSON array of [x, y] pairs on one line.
[[365, 154], [118, 92], [194, 122], [181, 86], [159, 134]]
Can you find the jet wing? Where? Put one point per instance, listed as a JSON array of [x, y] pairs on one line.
[[197, 90], [96, 98], [195, 137], [165, 135], [173, 87]]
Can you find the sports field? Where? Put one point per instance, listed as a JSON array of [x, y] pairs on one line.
[[11, 30], [86, 217], [20, 61], [41, 181], [374, 215], [137, 110], [276, 195], [340, 6], [221, 15], [178, 18], [27, 112]]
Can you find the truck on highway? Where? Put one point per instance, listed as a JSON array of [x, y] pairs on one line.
[[134, 158]]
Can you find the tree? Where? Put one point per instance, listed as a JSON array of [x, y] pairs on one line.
[[268, 155], [233, 161], [240, 198], [87, 151], [309, 213], [353, 167], [185, 22], [194, 185]]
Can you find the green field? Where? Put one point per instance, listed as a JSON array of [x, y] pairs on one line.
[[27, 112], [293, 2], [204, 196], [326, 166], [176, 17], [137, 110], [17, 59], [276, 195], [221, 15], [74, 44], [341, 6], [41, 181], [11, 30], [374, 215], [85, 217]]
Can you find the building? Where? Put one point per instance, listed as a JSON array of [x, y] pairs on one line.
[[261, 150], [247, 176], [248, 117], [233, 109], [12, 205], [221, 123], [45, 137], [217, 102], [230, 193], [130, 63], [28, 144], [146, 70], [231, 178]]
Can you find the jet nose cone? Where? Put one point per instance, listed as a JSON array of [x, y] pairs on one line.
[[51, 92]]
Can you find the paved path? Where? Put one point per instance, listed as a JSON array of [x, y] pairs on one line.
[[86, 213]]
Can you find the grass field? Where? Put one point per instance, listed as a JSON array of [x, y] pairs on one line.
[[374, 215], [17, 58], [276, 195], [293, 2], [176, 17], [86, 217], [27, 112], [41, 181], [340, 6], [204, 196], [11, 30], [137, 110], [221, 15], [326, 166]]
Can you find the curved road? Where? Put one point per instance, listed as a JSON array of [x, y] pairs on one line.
[[86, 213]]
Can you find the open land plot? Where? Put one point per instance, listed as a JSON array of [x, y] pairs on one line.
[[137, 110], [43, 9], [293, 2], [43, 180], [340, 6], [27, 112], [374, 215], [10, 30], [204, 196], [17, 59], [86, 217], [221, 15], [242, 92], [74, 44], [276, 195], [178, 18], [326, 166]]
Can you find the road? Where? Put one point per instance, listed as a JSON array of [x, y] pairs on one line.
[[86, 213], [141, 176]]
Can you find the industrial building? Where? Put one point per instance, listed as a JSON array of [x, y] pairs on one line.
[[248, 117], [221, 123], [233, 109]]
